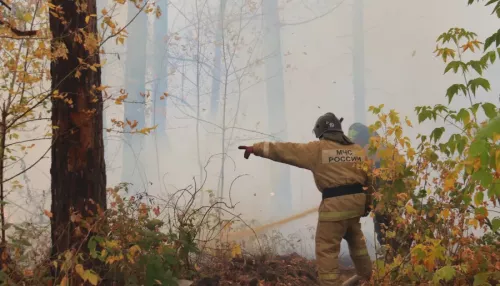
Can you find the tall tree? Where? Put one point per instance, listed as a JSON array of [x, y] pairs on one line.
[[216, 69], [280, 173], [358, 62], [78, 168], [160, 69], [159, 63], [135, 74]]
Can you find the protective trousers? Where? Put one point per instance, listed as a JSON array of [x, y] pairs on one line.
[[329, 234]]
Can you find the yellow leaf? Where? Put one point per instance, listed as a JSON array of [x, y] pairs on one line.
[[93, 68], [92, 277], [449, 182], [477, 164], [64, 281], [80, 270], [445, 213], [236, 250], [474, 223], [496, 137], [410, 209], [104, 11], [134, 249], [112, 244], [87, 19]]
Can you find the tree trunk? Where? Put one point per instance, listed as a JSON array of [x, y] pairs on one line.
[[358, 62], [78, 168], [160, 70], [280, 173], [216, 70], [135, 75], [159, 61]]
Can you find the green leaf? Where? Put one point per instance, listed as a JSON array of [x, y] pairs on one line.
[[484, 177], [437, 133], [479, 198], [481, 279], [491, 2], [497, 39], [481, 211], [474, 108], [447, 273], [491, 128], [489, 41], [454, 89], [490, 110], [455, 65], [491, 56], [461, 145], [422, 116], [464, 116], [495, 223], [478, 66], [478, 82], [92, 244], [494, 189]]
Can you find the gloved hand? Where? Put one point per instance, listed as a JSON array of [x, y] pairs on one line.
[[248, 151]]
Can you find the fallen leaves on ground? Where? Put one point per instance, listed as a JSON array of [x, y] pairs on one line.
[[290, 270]]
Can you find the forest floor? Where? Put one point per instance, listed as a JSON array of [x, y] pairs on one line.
[[292, 270]]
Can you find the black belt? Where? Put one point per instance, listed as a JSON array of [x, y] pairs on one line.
[[342, 191]]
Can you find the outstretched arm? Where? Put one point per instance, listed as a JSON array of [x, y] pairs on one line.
[[295, 154]]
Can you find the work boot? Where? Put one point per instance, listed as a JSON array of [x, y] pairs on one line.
[[354, 280]]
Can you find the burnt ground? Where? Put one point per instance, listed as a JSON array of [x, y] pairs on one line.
[[292, 270]]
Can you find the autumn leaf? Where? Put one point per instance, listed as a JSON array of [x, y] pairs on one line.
[[91, 277], [156, 211], [236, 250], [410, 209], [446, 273], [64, 281], [48, 213], [445, 213], [80, 270]]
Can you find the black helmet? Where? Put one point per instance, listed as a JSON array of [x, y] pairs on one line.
[[327, 123]]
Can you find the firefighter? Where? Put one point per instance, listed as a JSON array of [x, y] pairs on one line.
[[382, 218], [361, 136], [333, 160]]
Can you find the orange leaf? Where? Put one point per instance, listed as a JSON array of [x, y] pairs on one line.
[[48, 213]]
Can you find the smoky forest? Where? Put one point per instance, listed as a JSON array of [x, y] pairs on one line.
[[122, 124]]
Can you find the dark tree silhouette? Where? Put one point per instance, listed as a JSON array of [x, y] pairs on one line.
[[78, 167]]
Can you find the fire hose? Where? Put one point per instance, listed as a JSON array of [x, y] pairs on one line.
[[263, 228]]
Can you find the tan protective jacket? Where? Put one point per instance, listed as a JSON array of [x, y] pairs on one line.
[[332, 165]]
